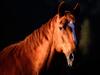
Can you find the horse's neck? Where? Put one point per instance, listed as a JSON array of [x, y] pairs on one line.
[[41, 52]]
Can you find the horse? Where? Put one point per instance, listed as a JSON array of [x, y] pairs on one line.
[[28, 56]]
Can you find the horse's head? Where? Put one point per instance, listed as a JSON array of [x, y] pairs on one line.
[[63, 36]]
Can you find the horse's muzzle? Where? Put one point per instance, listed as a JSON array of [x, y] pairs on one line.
[[70, 59]]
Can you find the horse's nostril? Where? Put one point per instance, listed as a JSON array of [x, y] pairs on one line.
[[71, 57]]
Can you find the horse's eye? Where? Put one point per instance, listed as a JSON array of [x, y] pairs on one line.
[[60, 28]]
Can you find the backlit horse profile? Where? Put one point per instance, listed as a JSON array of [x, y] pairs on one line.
[[28, 56]]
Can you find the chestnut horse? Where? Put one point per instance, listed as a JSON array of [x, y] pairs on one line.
[[28, 56]]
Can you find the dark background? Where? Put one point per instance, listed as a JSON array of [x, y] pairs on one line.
[[18, 18]]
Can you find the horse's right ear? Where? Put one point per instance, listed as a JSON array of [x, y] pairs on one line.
[[59, 6]]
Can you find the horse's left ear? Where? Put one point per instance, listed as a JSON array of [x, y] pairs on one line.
[[59, 6]]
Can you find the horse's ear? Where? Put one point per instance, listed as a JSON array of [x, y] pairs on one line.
[[76, 6], [59, 6]]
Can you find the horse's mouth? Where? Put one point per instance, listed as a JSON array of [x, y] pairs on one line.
[[70, 59]]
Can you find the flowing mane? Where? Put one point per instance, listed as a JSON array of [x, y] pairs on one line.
[[43, 32], [36, 36]]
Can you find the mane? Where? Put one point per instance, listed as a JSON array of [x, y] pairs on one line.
[[34, 39], [45, 32]]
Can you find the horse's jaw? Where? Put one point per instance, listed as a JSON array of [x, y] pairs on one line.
[[70, 60]]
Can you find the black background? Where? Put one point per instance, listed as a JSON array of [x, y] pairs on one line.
[[18, 18]]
